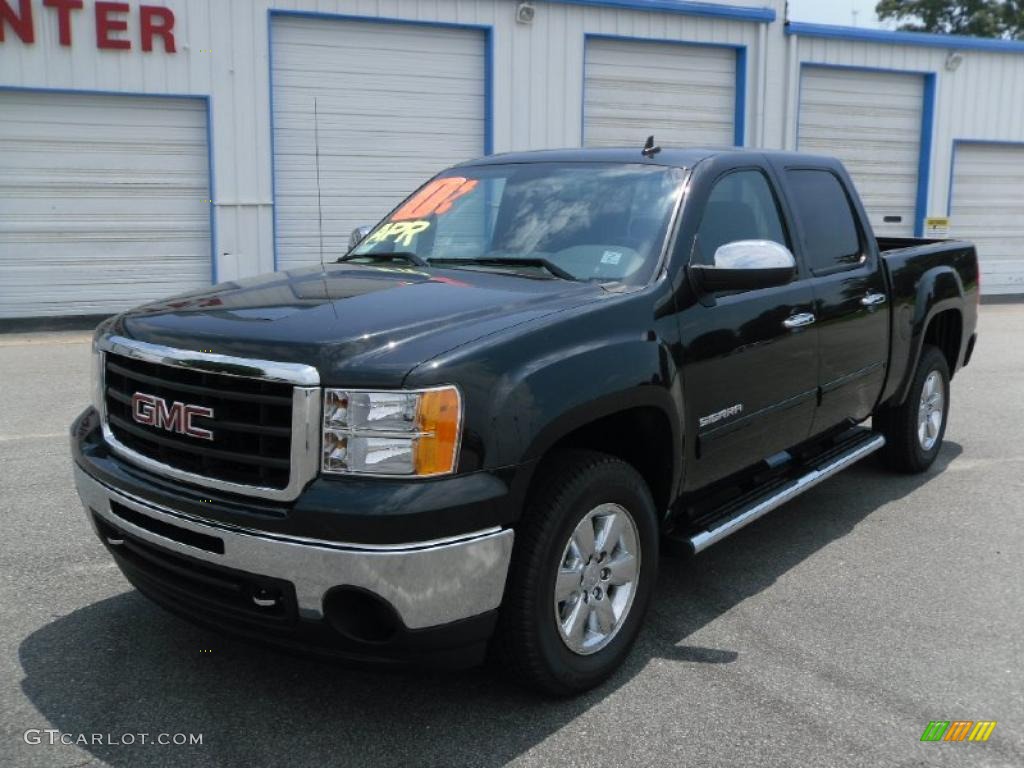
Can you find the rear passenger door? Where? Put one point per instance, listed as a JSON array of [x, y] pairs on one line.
[[850, 296]]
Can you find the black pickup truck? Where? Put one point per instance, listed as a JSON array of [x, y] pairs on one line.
[[473, 432]]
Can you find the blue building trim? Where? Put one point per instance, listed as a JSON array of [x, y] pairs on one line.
[[959, 42], [207, 102], [957, 143], [486, 29], [740, 109], [924, 160], [488, 90], [740, 104], [712, 10]]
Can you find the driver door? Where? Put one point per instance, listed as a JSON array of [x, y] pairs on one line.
[[750, 366]]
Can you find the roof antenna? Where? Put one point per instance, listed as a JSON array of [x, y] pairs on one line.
[[319, 206], [649, 149]]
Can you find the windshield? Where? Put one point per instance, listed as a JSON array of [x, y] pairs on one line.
[[581, 221]]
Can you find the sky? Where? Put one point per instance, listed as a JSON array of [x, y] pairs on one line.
[[836, 12]]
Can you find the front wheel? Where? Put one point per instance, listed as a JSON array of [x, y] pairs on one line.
[[914, 430], [583, 569]]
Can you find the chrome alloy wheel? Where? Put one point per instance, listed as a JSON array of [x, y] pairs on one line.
[[930, 410], [597, 579]]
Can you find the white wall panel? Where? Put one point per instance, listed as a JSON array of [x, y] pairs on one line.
[[982, 99], [685, 95], [223, 52], [104, 201], [872, 122], [987, 208], [396, 102], [538, 75]]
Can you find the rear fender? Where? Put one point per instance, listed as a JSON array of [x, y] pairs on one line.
[[939, 289]]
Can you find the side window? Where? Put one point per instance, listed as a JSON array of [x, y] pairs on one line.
[[832, 239], [741, 206]]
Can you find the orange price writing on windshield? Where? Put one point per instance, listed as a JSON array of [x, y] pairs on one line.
[[435, 198]]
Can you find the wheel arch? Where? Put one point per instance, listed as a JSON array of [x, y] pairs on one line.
[[938, 319], [641, 428]]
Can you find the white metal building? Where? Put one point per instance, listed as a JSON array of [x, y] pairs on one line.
[[152, 150]]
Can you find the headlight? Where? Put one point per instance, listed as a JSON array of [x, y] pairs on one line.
[[391, 433]]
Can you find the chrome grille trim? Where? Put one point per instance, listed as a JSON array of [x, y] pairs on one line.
[[243, 367], [305, 435]]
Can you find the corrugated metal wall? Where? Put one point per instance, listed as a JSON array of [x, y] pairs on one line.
[[537, 83], [223, 53], [982, 99]]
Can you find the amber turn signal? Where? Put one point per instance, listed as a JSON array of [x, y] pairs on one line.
[[438, 420]]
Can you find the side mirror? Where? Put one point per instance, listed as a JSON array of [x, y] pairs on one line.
[[358, 235], [745, 265]]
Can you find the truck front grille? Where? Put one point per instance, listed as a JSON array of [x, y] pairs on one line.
[[250, 426]]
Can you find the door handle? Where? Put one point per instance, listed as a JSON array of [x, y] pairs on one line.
[[873, 299], [799, 320]]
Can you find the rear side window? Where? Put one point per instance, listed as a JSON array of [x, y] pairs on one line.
[[741, 206], [831, 237]]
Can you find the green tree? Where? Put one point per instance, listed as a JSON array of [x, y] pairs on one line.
[[979, 18], [1013, 19]]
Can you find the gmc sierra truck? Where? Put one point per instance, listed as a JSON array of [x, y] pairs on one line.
[[472, 432]]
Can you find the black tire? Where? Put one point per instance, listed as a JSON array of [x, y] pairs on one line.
[[903, 450], [527, 641]]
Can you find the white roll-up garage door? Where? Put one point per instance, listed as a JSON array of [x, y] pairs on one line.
[[685, 95], [987, 208], [396, 103], [872, 122], [104, 201]]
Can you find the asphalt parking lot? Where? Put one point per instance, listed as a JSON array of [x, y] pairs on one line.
[[829, 633]]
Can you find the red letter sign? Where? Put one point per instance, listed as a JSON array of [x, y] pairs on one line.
[[64, 9], [156, 21], [105, 25], [22, 25]]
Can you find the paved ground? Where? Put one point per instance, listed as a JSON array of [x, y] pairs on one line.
[[828, 633]]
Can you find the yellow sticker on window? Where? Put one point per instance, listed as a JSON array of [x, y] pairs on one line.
[[402, 232]]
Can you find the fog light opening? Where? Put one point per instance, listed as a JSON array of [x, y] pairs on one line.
[[361, 615]]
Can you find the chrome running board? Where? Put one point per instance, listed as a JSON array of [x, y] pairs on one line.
[[698, 542]]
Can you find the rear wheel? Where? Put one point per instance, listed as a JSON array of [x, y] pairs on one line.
[[914, 430], [584, 565]]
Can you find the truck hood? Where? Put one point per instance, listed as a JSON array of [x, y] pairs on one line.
[[359, 325]]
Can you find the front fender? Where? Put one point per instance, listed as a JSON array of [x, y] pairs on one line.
[[529, 387], [570, 387]]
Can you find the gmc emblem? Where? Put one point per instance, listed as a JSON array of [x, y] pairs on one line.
[[154, 412]]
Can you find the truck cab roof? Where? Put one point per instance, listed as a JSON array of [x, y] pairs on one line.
[[669, 157]]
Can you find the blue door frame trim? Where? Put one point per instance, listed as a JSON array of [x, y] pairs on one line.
[[713, 10], [211, 175], [952, 161], [740, 99], [959, 42], [924, 159], [488, 74]]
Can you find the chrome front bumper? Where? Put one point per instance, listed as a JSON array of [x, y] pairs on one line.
[[429, 583]]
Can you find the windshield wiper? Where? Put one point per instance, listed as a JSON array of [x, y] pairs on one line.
[[512, 261], [409, 256]]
